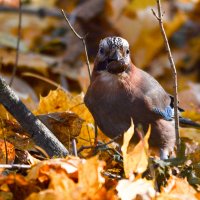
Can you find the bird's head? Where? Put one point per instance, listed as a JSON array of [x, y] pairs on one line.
[[113, 55]]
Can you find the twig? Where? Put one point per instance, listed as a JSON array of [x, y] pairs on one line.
[[18, 42], [111, 175], [74, 148], [86, 56], [41, 135], [18, 166], [99, 145], [173, 67], [83, 41]]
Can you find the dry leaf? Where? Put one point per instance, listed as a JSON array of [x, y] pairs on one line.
[[176, 189], [139, 189], [18, 186], [61, 173], [6, 150], [90, 179], [135, 156], [15, 134], [32, 62], [60, 101], [41, 170], [64, 125]]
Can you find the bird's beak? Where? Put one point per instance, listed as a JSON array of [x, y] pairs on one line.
[[116, 64], [115, 56]]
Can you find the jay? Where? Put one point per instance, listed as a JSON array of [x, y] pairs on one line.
[[120, 92]]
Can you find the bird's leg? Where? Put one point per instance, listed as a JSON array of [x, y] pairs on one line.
[[164, 154]]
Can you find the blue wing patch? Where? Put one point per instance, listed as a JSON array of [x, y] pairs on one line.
[[167, 114]]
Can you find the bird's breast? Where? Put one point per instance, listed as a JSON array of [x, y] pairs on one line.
[[110, 103]]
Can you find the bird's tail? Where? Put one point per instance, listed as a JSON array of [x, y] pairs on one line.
[[184, 122]]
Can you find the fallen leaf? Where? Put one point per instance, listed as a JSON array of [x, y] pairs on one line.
[[70, 178], [18, 185], [135, 156], [6, 150], [64, 125], [177, 188], [139, 189], [41, 170]]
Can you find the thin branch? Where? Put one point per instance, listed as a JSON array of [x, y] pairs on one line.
[[18, 43], [99, 145], [86, 55], [173, 67], [14, 166], [83, 41], [74, 148]]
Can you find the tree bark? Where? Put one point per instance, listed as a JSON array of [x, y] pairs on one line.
[[41, 135]]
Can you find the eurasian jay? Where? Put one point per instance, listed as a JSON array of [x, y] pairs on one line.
[[119, 92]]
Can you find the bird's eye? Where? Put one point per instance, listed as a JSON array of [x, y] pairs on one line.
[[127, 51], [101, 50]]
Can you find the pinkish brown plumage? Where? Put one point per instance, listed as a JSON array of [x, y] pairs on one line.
[[123, 92]]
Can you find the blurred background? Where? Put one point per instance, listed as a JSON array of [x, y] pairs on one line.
[[50, 49]]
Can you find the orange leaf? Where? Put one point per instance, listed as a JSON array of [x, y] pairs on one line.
[[10, 152]]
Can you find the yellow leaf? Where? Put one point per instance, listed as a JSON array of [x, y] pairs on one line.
[[135, 157], [90, 179]]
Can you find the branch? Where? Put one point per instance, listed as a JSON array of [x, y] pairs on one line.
[[87, 59], [83, 41], [41, 135], [100, 145], [173, 67]]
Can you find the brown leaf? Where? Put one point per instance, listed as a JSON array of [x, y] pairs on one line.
[[64, 125], [32, 62], [18, 185], [15, 134]]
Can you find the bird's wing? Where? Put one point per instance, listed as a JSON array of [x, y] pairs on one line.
[[167, 113], [159, 101]]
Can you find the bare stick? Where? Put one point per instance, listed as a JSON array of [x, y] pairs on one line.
[[99, 145], [14, 166], [41, 135], [173, 67], [83, 41], [18, 42], [86, 55], [74, 148]]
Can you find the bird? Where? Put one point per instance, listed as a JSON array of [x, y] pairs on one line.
[[120, 92]]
